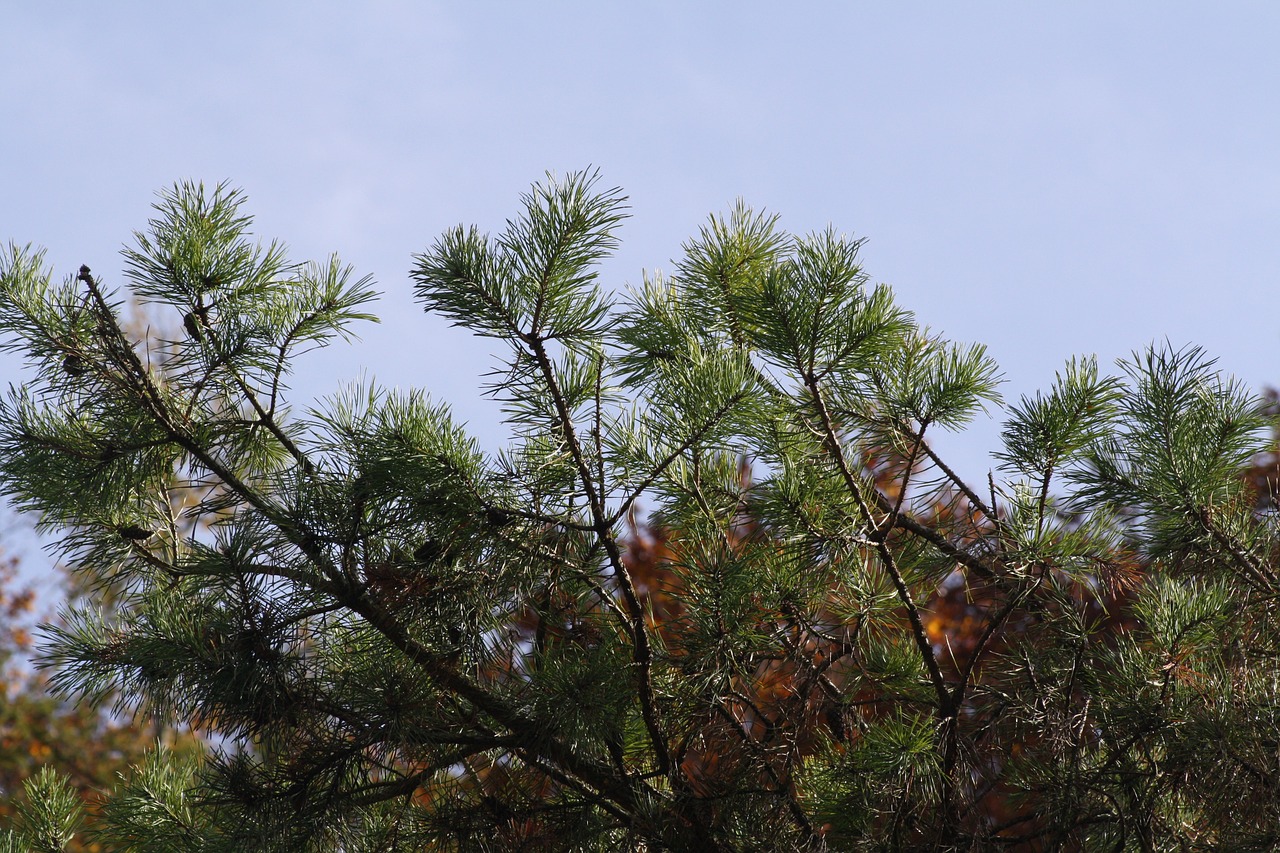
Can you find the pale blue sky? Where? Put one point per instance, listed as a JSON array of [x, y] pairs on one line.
[[1049, 180]]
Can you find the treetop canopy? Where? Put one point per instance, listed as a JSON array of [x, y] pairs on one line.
[[821, 638]]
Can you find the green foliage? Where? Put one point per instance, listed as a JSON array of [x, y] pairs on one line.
[[153, 810], [51, 813], [833, 642]]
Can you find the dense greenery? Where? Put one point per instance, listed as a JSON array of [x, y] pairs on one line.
[[822, 638]]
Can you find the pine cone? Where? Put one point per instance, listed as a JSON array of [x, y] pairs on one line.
[[134, 533]]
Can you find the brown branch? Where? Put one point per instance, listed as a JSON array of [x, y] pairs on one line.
[[625, 792], [907, 522], [642, 654], [921, 637], [957, 480], [1258, 572], [780, 788], [671, 457], [266, 418]]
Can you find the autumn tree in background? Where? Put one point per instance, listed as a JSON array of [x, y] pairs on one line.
[[821, 638], [21, 734], [783, 697], [91, 746]]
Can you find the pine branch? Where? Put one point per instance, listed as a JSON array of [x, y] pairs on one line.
[[921, 637], [643, 655]]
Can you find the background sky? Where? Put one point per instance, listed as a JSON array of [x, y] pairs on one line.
[[1081, 178]]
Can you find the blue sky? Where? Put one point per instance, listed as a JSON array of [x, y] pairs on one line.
[[1048, 180]]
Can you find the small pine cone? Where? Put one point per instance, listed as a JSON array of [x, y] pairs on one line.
[[192, 325], [134, 533], [497, 518], [429, 551]]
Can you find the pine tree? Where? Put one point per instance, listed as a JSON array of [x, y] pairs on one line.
[[408, 644]]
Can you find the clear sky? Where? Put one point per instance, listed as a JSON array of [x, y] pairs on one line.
[[1049, 179]]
